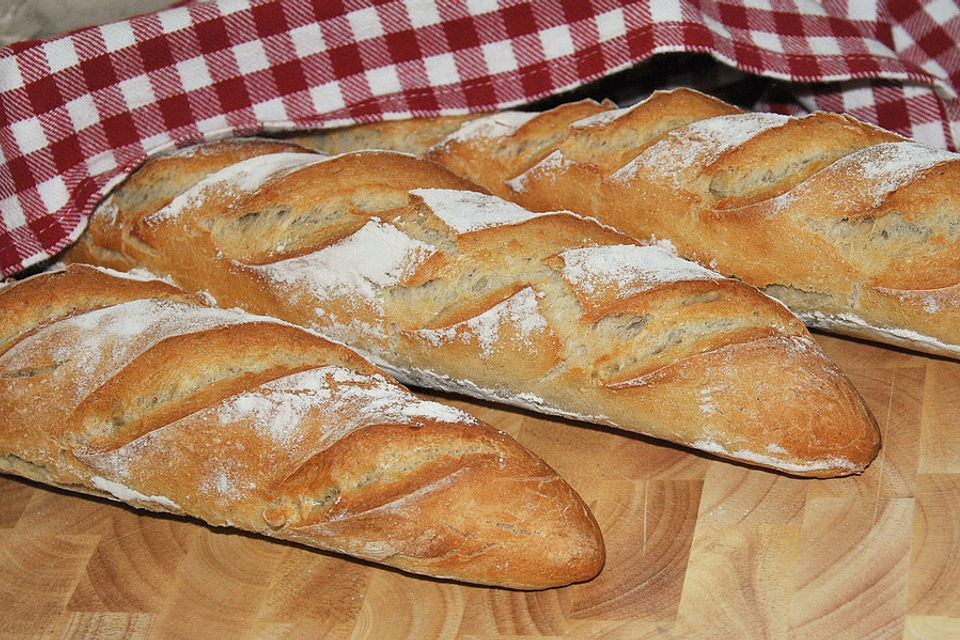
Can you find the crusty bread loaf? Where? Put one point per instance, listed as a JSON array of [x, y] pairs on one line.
[[453, 289], [856, 229], [130, 389], [406, 136]]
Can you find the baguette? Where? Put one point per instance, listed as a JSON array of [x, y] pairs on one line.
[[450, 288], [132, 390], [856, 229]]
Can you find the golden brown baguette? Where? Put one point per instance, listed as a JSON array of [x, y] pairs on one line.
[[130, 389], [405, 136], [453, 289], [856, 229]]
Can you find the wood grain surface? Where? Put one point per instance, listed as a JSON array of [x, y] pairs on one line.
[[697, 547]]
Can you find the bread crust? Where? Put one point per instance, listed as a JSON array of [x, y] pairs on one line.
[[135, 391], [448, 287], [855, 228]]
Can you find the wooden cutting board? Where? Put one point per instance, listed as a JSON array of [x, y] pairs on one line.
[[697, 547]]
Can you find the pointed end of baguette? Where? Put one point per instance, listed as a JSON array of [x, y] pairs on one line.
[[539, 535], [776, 402], [475, 508], [818, 426]]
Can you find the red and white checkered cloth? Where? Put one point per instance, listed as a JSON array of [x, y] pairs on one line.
[[80, 111]]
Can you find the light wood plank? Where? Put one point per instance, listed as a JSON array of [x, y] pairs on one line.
[[697, 547]]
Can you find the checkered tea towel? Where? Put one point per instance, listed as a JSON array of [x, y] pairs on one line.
[[80, 111]]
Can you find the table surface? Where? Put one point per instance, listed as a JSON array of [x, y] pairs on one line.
[[697, 547]]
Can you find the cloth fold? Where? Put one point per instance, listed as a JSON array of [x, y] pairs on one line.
[[79, 112]]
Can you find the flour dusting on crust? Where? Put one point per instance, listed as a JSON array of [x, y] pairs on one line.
[[885, 167], [430, 379], [628, 269], [466, 211], [378, 255], [690, 148], [126, 494], [344, 399], [601, 118], [554, 162], [850, 323], [286, 421], [521, 310], [235, 181], [91, 347], [495, 125], [771, 459]]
